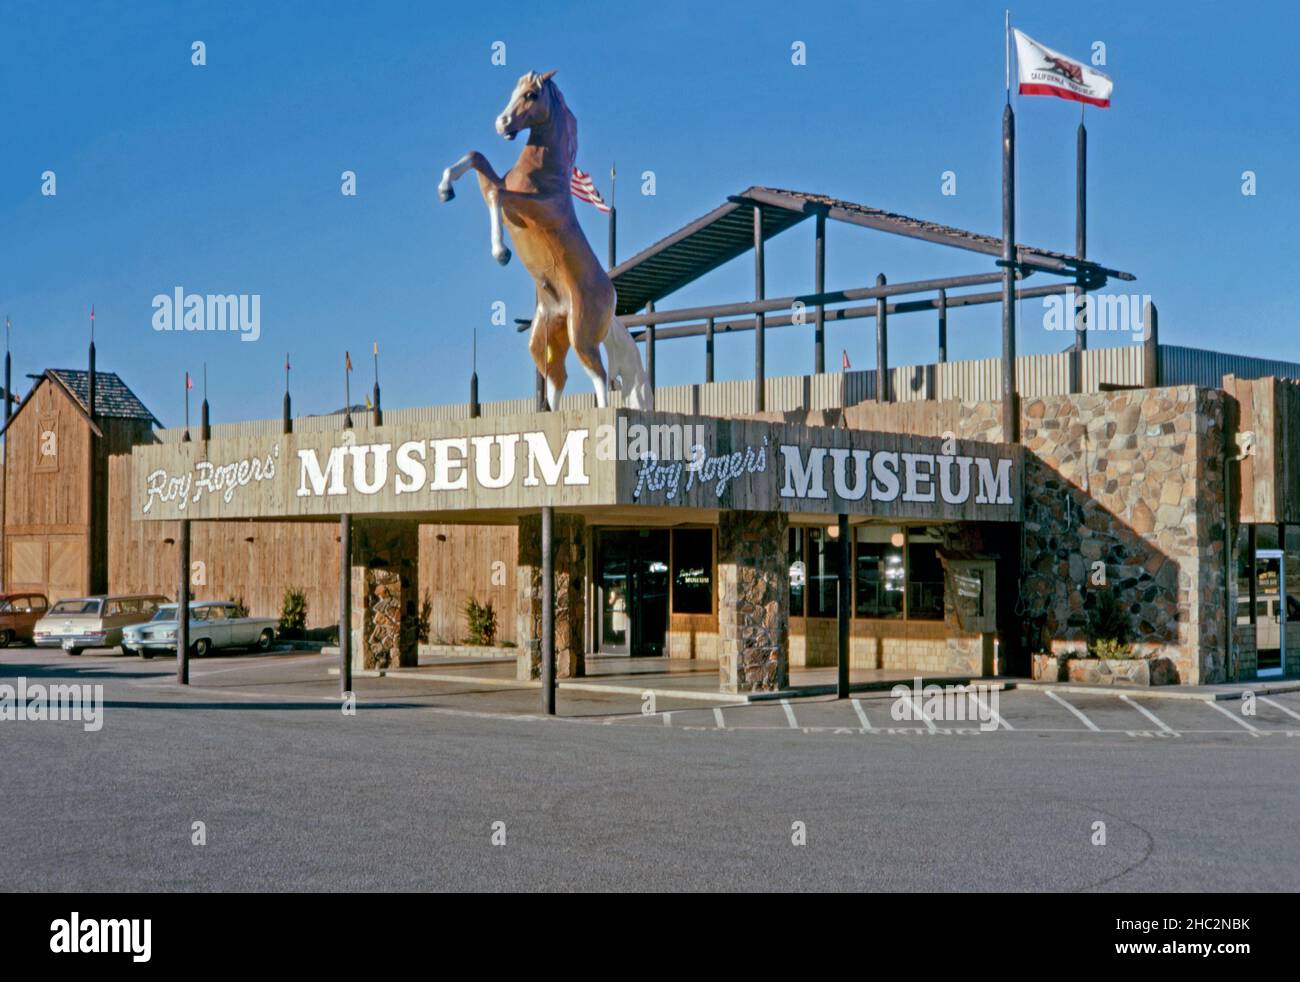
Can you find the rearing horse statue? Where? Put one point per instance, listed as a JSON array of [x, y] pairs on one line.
[[575, 298]]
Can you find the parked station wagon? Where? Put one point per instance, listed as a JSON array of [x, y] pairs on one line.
[[93, 622], [213, 624], [19, 613]]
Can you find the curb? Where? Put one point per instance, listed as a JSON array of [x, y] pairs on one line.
[[1159, 692]]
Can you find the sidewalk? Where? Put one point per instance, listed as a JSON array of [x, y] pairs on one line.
[[666, 677]]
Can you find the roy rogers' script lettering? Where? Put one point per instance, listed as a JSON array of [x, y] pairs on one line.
[[718, 470], [207, 478], [888, 475], [493, 462]]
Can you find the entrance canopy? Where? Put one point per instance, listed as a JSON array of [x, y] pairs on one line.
[[643, 466]]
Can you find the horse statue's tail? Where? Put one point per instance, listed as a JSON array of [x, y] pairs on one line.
[[625, 366]]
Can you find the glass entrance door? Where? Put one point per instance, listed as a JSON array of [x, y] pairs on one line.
[[1270, 610], [632, 588]]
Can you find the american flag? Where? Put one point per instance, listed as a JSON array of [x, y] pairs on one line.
[[581, 186]]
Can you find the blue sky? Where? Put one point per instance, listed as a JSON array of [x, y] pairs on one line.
[[226, 178]]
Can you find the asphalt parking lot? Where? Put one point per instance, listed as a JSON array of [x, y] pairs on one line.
[[410, 791]]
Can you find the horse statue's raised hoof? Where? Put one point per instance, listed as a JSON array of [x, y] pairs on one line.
[[503, 256], [446, 192]]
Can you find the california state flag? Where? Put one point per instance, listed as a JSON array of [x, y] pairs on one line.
[[1046, 72]]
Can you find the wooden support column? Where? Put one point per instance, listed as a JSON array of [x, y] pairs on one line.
[[345, 605], [882, 346], [819, 284], [1080, 250], [1151, 347], [943, 326], [844, 610], [183, 606], [708, 350], [650, 347], [760, 323], [548, 611], [1010, 404]]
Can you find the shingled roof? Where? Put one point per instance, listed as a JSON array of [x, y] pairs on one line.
[[112, 396], [728, 231]]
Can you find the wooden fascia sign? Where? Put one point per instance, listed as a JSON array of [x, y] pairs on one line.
[[597, 458]]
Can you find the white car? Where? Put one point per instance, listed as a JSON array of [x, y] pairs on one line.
[[213, 624]]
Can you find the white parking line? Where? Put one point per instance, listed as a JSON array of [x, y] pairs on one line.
[[862, 716], [919, 712], [1148, 714], [1084, 719], [789, 714], [717, 718], [1234, 717], [990, 712], [1277, 705]]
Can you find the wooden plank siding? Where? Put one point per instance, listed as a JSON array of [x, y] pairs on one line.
[[47, 507], [255, 561]]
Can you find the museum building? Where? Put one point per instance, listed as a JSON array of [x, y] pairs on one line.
[[949, 519]]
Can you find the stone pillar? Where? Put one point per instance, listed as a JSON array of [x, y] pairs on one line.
[[570, 557], [385, 593], [753, 601]]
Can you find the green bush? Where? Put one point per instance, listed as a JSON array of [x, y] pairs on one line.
[[482, 622], [422, 621], [1109, 629], [293, 613], [1107, 648]]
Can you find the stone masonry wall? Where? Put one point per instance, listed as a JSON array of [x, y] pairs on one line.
[[385, 593], [569, 546], [1132, 480], [753, 601]]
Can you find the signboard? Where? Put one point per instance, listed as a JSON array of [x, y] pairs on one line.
[[586, 459]]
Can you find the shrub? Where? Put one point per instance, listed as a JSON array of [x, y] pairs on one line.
[[482, 621], [1108, 627], [293, 613], [1108, 648], [422, 621]]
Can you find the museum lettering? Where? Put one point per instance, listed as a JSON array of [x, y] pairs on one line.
[[886, 475], [445, 464]]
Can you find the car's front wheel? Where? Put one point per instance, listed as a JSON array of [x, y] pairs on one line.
[[264, 640], [200, 648], [6, 638]]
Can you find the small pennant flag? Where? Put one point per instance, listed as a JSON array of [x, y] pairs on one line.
[[845, 353], [347, 361], [189, 382], [582, 187], [368, 404], [1043, 71], [286, 361], [376, 347]]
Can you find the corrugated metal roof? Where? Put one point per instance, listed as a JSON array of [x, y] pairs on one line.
[[728, 232], [112, 396]]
